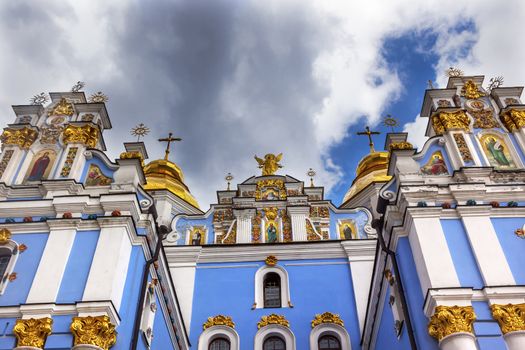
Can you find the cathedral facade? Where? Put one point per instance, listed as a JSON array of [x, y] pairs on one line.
[[425, 252]]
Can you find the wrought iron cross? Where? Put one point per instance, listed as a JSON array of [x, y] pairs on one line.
[[169, 140], [369, 134]]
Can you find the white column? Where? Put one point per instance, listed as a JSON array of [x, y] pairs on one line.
[[109, 268], [244, 225], [52, 265], [362, 272], [489, 254], [515, 340], [14, 162], [298, 217], [459, 341], [433, 261]]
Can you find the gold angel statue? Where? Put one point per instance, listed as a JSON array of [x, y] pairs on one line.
[[270, 163]]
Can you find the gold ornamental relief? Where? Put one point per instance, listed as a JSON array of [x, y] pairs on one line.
[[271, 189], [219, 320], [270, 163], [98, 331], [23, 138], [510, 317], [85, 134], [451, 319], [513, 119], [445, 121], [5, 236], [471, 91], [394, 146], [327, 317], [32, 332], [271, 260], [273, 319], [63, 108]]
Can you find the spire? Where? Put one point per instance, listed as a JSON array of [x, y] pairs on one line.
[[369, 133], [169, 139]]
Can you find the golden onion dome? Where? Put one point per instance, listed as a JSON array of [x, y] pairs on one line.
[[371, 169], [161, 174]]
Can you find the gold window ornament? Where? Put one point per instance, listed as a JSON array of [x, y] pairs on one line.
[[219, 320], [5, 235], [451, 319], [271, 260], [98, 331], [32, 332], [327, 317], [273, 319], [510, 317]]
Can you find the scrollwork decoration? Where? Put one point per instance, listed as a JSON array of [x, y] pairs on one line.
[[219, 320], [273, 319], [327, 317]]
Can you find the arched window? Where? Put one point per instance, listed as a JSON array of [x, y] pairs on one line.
[[274, 343], [272, 290], [220, 344], [329, 342], [5, 257]]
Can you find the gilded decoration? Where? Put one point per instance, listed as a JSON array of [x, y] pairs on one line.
[[436, 165], [497, 151], [197, 235], [270, 260], [483, 114], [451, 319], [219, 320], [22, 138], [70, 158], [85, 134], [63, 108], [98, 331], [510, 317], [394, 146], [463, 148], [271, 227], [221, 215], [95, 177], [270, 189], [520, 233], [445, 121], [471, 91], [5, 236], [327, 317], [347, 230], [32, 332], [287, 226], [513, 119], [256, 228], [5, 160], [319, 212], [311, 235], [231, 237], [270, 163], [51, 134], [273, 319]]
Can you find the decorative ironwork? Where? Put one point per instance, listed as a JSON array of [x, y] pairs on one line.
[[495, 83], [228, 178], [5, 160], [85, 134], [391, 122], [98, 331], [451, 319], [78, 86], [463, 148], [219, 320], [270, 163], [70, 158], [273, 319], [22, 138], [369, 133], [140, 130], [271, 260], [327, 317], [311, 173], [32, 332], [98, 97], [39, 99], [453, 72]]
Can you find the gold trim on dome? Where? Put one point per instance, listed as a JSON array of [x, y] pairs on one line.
[[273, 319], [400, 145], [86, 134], [513, 119], [445, 121], [510, 317], [451, 319], [22, 138], [5, 236], [471, 91], [371, 169], [327, 317], [270, 260], [98, 331], [63, 108], [219, 320], [32, 332]]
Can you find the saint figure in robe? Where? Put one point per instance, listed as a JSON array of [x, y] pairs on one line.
[[196, 239], [271, 232], [347, 232], [39, 168], [497, 151]]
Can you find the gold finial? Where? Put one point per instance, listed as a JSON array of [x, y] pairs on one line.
[[369, 133], [228, 178], [390, 122], [169, 140], [453, 72], [39, 99], [139, 130], [98, 97], [311, 173], [270, 163]]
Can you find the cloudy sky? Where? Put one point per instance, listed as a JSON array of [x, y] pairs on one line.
[[236, 78]]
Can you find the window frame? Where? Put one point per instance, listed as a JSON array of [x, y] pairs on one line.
[[226, 339], [267, 276], [219, 331], [259, 286], [11, 246], [330, 329], [271, 330]]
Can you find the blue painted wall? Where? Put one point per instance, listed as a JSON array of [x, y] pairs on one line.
[[314, 289], [513, 246], [161, 335], [486, 328], [387, 337]]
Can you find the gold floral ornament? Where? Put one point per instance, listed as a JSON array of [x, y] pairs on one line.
[[22, 138], [394, 146], [273, 319], [98, 331], [471, 91], [451, 319], [32, 332], [270, 189], [445, 121], [98, 97], [219, 320], [270, 163], [85, 134], [327, 317], [63, 108], [513, 119], [5, 236], [510, 317], [271, 260]]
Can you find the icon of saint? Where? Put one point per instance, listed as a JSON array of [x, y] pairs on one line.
[[347, 232], [271, 232], [497, 151], [39, 168], [196, 239]]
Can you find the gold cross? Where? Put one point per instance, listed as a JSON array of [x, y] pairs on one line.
[[369, 134], [169, 139]]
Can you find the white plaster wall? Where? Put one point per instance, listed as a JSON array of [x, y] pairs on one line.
[[361, 278], [184, 282]]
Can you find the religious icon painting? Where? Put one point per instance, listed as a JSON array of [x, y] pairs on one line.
[[272, 232], [497, 151], [347, 230], [436, 165], [41, 165], [197, 235], [95, 177]]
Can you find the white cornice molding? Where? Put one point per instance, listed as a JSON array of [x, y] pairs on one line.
[[447, 297]]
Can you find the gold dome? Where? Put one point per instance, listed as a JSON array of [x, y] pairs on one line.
[[161, 174], [371, 169]]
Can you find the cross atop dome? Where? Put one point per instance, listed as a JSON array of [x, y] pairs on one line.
[[369, 133], [169, 139]]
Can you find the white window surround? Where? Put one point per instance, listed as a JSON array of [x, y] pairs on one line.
[[13, 247], [274, 330], [330, 329], [259, 285], [212, 333]]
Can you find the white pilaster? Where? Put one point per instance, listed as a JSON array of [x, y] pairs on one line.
[[109, 268], [52, 265], [12, 166], [515, 340], [244, 225], [298, 217], [489, 254], [459, 341]]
